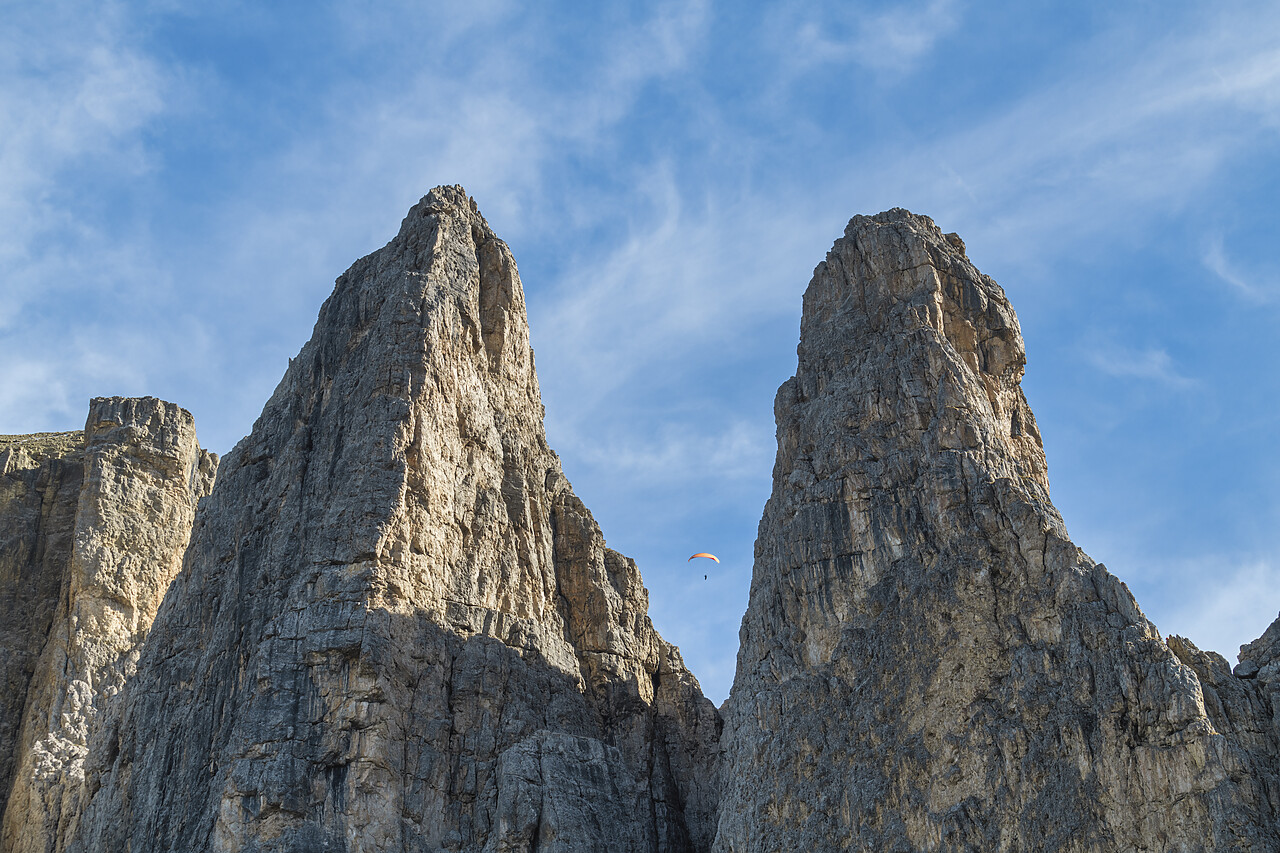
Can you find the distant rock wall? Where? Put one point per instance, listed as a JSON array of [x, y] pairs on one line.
[[120, 501], [40, 478], [927, 661], [396, 628]]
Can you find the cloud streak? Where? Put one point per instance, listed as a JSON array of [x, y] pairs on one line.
[[888, 40], [1229, 604], [1253, 287], [1125, 136], [1151, 364], [667, 176]]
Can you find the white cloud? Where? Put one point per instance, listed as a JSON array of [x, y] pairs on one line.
[[689, 281], [77, 97], [74, 91], [26, 379], [1134, 128], [894, 39], [1253, 286], [721, 455], [1146, 363], [1223, 606]]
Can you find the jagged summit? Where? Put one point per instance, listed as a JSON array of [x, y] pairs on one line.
[[927, 661], [396, 627]]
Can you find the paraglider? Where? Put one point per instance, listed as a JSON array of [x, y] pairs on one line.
[[704, 554]]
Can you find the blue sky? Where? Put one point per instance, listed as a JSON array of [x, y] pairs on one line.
[[181, 183]]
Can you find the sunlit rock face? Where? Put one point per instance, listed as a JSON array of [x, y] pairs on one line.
[[95, 525], [40, 478], [927, 661], [396, 627]]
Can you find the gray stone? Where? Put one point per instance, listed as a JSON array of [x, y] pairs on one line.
[[112, 536], [1245, 669], [396, 628], [40, 478], [1264, 654], [927, 661]]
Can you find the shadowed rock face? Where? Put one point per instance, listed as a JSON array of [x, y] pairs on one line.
[[40, 478], [97, 523], [927, 661], [396, 627]]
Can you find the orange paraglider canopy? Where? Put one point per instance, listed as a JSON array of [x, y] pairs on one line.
[[708, 556]]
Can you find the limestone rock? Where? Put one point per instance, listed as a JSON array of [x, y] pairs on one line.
[[1262, 656], [927, 661], [114, 539], [1246, 669], [40, 478], [1243, 711], [396, 627]]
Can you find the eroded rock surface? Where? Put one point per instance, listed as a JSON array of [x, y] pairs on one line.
[[396, 627], [927, 661], [117, 503], [40, 478]]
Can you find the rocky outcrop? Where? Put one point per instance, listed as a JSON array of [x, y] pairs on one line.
[[116, 504], [396, 627], [40, 478], [927, 661]]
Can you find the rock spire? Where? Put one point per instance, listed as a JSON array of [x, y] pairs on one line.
[[927, 661], [392, 626], [396, 628]]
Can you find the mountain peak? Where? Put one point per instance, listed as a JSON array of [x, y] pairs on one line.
[[919, 618], [396, 626]]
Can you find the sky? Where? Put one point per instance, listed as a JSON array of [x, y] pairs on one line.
[[181, 183]]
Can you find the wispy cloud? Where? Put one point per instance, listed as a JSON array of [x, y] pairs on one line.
[[893, 39], [78, 97], [76, 91], [1133, 128], [1253, 286], [1224, 606], [676, 285], [1150, 364], [683, 453]]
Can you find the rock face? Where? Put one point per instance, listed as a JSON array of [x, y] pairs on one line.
[[396, 627], [927, 661], [40, 478], [96, 524]]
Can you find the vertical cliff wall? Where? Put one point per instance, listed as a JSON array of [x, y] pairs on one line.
[[40, 478], [116, 504], [396, 627], [927, 661]]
